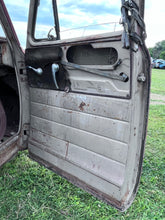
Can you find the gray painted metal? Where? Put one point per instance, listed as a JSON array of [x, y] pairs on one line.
[[123, 77], [94, 135], [14, 56], [84, 82], [94, 140]]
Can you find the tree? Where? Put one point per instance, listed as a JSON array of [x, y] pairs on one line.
[[156, 51], [151, 51], [162, 55]]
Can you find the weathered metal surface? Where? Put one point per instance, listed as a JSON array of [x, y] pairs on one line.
[[109, 148], [101, 106], [84, 134], [98, 140], [120, 77], [79, 183], [6, 58], [99, 79], [15, 59], [95, 141], [110, 128], [8, 151]]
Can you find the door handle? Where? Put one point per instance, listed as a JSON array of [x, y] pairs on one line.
[[39, 71], [55, 69]]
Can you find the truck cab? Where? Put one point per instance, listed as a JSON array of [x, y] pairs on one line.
[[79, 105]]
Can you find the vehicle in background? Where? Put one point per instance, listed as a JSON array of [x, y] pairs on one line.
[[157, 63], [162, 65]]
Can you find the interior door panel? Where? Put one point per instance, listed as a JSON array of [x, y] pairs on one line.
[[84, 111], [90, 130], [44, 58], [107, 58], [115, 60]]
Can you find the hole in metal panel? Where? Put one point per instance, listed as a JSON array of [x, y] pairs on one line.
[[87, 55]]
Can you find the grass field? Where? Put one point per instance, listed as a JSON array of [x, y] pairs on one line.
[[158, 81], [29, 191]]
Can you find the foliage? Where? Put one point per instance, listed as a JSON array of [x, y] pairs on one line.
[[162, 55], [151, 51], [157, 50]]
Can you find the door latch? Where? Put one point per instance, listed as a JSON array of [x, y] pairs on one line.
[[55, 69]]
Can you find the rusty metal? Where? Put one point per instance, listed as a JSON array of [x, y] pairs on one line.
[[8, 153], [61, 134], [81, 106], [4, 48], [79, 183]]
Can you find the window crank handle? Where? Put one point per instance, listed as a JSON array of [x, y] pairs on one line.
[[39, 71]]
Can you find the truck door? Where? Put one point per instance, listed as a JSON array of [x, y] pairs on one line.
[[89, 100]]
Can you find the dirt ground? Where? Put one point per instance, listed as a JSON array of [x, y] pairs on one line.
[[156, 99]]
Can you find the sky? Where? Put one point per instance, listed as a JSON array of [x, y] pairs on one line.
[[73, 14]]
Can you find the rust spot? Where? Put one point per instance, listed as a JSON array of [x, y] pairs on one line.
[[70, 112], [125, 196], [3, 49], [8, 153], [81, 106]]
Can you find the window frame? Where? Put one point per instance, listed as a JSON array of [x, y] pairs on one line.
[[34, 13]]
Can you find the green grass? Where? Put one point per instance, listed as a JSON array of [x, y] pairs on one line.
[[29, 191], [158, 81]]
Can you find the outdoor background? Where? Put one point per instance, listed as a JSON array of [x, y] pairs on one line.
[[29, 191]]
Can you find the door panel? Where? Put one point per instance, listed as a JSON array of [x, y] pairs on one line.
[[80, 71], [43, 58], [90, 127], [74, 126], [115, 61]]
